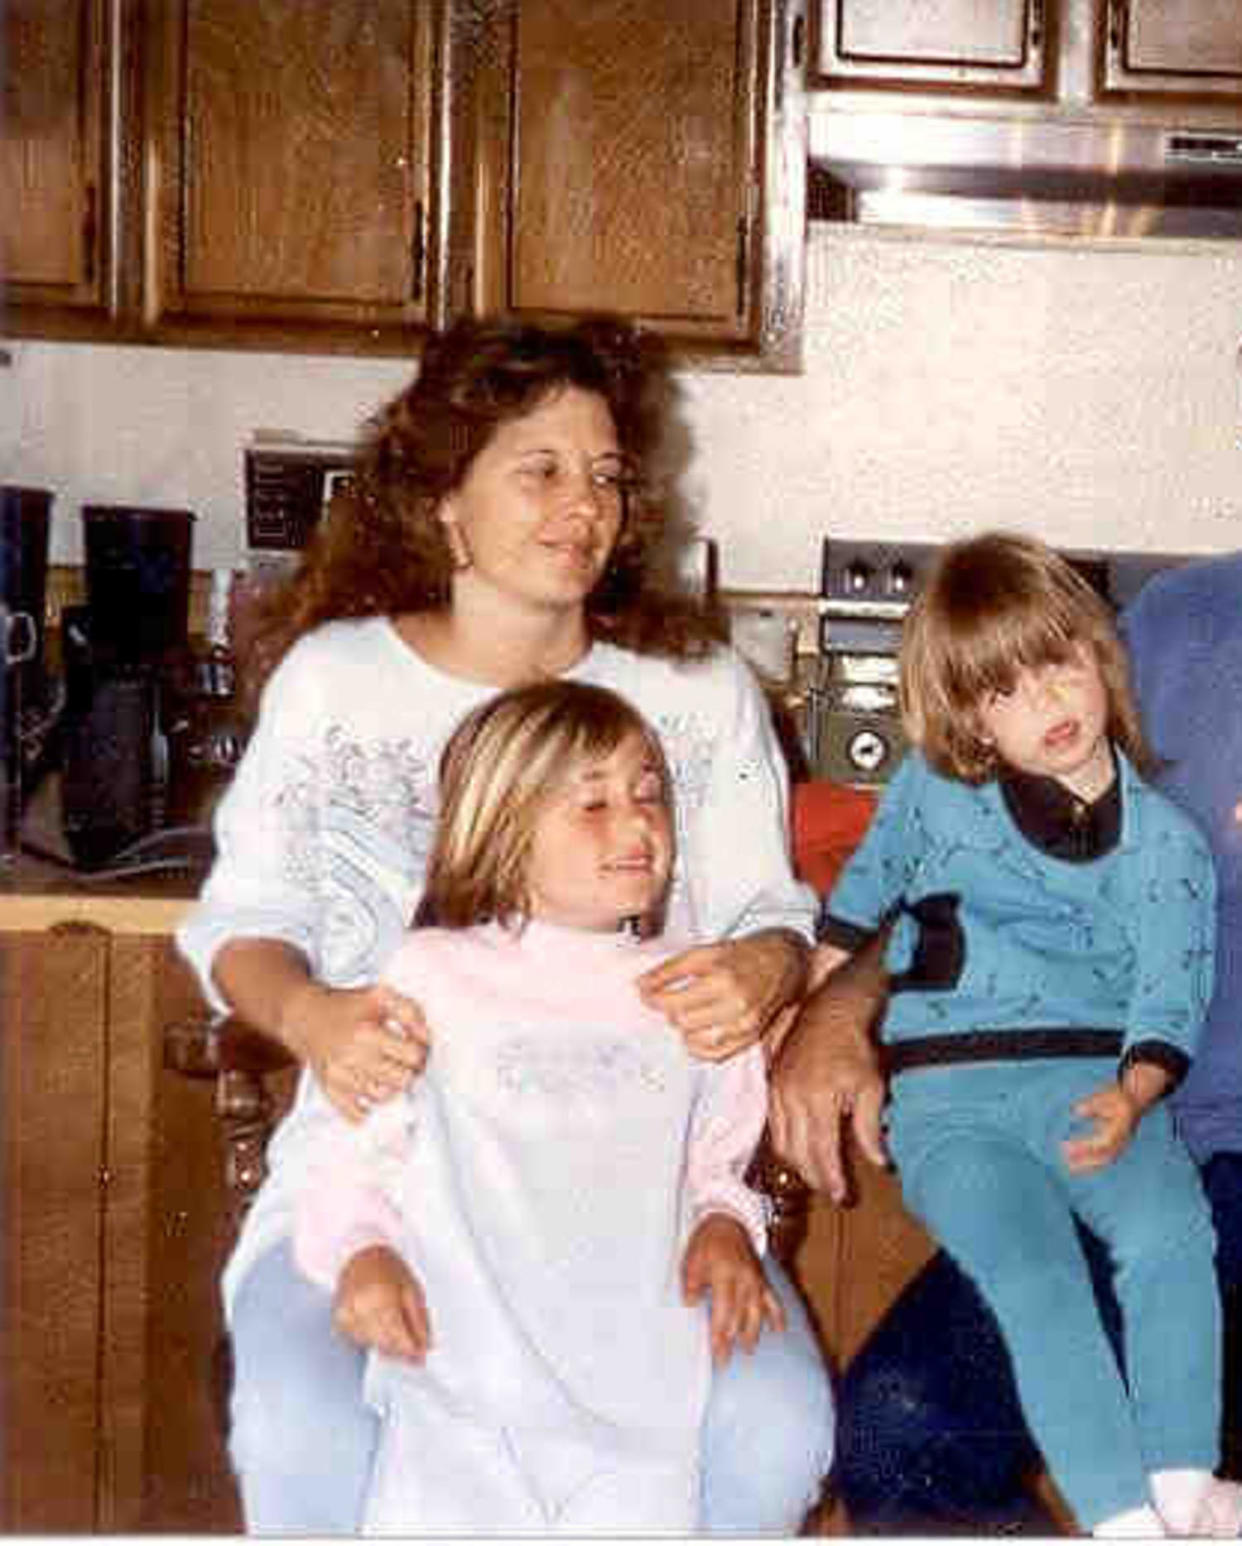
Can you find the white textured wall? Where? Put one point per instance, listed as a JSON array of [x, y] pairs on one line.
[[1086, 392]]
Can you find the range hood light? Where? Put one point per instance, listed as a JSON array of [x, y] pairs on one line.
[[1067, 177], [1204, 149]]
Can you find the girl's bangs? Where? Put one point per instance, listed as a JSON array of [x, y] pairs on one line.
[[989, 659]]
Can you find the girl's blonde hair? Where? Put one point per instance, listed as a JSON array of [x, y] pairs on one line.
[[993, 605], [496, 774]]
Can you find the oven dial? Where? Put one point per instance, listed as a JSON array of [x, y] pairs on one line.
[[867, 750]]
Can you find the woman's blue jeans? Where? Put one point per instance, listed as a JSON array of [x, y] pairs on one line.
[[930, 1434], [302, 1438]]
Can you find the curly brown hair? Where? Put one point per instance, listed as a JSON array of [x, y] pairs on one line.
[[382, 551]]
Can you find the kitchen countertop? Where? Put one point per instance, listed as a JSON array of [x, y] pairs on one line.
[[32, 898], [39, 889]]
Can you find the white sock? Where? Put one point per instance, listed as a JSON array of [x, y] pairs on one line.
[[1136, 1523], [1177, 1495], [1220, 1510]]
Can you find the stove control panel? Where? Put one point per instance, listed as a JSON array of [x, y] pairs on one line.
[[878, 577], [867, 588]]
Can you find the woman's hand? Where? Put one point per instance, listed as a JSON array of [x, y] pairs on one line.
[[721, 1261], [827, 1077], [364, 1045], [722, 997], [379, 1303]]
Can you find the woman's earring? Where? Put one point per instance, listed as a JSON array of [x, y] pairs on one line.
[[459, 548]]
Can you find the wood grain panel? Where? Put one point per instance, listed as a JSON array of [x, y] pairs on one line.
[[1191, 37], [966, 31], [54, 991], [293, 169], [856, 1260], [978, 44], [634, 157], [168, 1227], [50, 145]]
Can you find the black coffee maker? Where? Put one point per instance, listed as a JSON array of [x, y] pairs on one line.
[[123, 653], [25, 711]]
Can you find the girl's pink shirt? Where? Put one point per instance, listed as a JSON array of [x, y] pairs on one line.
[[578, 977]]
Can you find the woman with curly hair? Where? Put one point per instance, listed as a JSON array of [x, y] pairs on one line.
[[500, 529]]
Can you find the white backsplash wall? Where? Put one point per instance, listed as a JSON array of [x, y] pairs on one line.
[[1086, 392]]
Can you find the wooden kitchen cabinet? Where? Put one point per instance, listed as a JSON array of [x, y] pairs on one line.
[[291, 180], [343, 175], [224, 173], [643, 159], [60, 181], [116, 1223], [1177, 48], [990, 45], [1081, 55]]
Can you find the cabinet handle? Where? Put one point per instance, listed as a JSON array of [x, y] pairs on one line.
[[90, 233], [1116, 25], [743, 250], [192, 1048], [418, 253], [778, 60]]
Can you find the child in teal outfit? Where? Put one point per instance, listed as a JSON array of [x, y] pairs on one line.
[[1050, 960]]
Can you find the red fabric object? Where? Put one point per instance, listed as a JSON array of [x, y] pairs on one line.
[[828, 821]]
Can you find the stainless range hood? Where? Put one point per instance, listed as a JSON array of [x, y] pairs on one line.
[[1050, 175]]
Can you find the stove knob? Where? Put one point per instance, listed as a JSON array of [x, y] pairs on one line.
[[900, 578], [866, 751], [856, 577]]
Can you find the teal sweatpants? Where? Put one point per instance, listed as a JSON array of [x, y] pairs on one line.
[[978, 1151]]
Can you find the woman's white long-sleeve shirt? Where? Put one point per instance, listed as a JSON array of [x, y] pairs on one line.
[[323, 836]]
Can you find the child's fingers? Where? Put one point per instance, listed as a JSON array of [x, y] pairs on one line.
[[417, 1321], [772, 1311], [762, 1309], [694, 1278], [725, 1318]]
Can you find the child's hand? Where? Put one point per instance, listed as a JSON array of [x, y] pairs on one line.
[[379, 1303], [1113, 1114], [720, 1260]]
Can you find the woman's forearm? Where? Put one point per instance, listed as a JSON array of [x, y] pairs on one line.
[[262, 979]]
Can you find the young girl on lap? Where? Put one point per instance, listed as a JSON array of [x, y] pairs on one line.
[[1049, 965], [521, 1239]]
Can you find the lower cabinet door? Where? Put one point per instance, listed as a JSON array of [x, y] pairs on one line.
[[53, 1082], [168, 1227]]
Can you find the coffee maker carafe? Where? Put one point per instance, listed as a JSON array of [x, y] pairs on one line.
[[24, 710], [122, 653]]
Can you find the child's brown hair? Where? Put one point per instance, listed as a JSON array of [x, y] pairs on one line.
[[993, 605]]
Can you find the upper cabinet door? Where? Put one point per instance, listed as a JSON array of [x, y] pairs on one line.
[[1185, 48], [991, 45], [637, 171], [289, 169], [57, 75]]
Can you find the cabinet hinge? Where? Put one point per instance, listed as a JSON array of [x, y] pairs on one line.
[[1037, 25], [1116, 25], [90, 234], [418, 255], [743, 262]]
